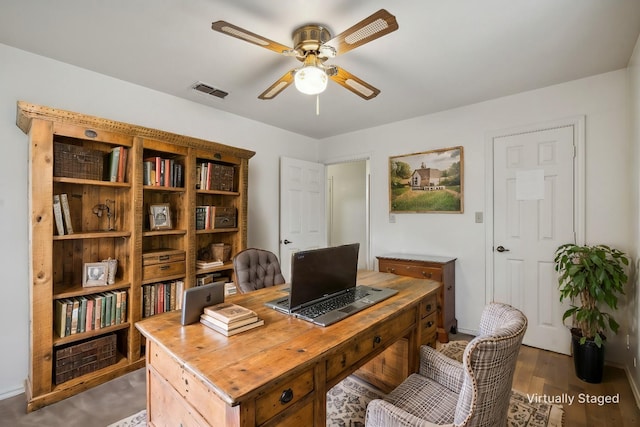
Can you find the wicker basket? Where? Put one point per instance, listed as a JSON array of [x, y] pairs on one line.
[[83, 358], [73, 161]]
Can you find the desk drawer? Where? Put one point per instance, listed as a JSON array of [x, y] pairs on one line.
[[428, 305], [428, 328], [165, 404], [283, 396], [184, 383], [361, 347], [415, 271], [159, 271]]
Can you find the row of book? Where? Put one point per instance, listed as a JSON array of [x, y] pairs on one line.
[[117, 164], [162, 297], [86, 313], [62, 214], [214, 176], [162, 172], [230, 319]]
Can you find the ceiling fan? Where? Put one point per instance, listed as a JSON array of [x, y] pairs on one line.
[[313, 46]]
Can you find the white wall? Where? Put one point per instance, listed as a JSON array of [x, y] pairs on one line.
[[602, 99], [633, 295], [32, 78]]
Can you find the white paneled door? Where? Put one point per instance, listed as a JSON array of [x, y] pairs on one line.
[[302, 209], [533, 213]]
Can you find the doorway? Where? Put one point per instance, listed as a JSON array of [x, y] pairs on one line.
[[535, 204], [348, 206]]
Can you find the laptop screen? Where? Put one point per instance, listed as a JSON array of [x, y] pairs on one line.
[[317, 273]]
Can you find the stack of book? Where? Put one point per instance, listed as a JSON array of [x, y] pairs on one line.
[[230, 319]]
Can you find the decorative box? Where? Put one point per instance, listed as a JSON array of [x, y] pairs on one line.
[[162, 263], [85, 357]]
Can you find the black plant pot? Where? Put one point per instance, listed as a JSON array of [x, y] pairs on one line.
[[588, 360]]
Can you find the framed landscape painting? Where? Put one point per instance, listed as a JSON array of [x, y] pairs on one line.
[[427, 182]]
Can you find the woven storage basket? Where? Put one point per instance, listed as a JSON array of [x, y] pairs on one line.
[[73, 161]]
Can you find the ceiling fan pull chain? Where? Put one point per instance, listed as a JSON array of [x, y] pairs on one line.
[[318, 105]]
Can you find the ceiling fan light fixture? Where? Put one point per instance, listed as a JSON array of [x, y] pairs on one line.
[[311, 80]]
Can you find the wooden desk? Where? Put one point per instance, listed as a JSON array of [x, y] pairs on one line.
[[277, 374]]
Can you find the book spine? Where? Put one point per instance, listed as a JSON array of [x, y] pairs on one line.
[[123, 310], [66, 212], [97, 324], [67, 323], [113, 164], [89, 317], [74, 316], [179, 294], [82, 315], [113, 308], [122, 164], [57, 214], [60, 319]]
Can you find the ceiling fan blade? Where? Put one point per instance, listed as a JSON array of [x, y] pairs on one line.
[[281, 84], [354, 84], [369, 29], [242, 34]]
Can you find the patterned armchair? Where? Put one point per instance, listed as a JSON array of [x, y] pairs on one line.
[[256, 269], [446, 392]]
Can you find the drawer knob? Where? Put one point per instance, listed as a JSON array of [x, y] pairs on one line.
[[425, 274], [286, 396], [163, 257], [429, 324], [428, 307], [165, 267], [377, 339], [391, 270]]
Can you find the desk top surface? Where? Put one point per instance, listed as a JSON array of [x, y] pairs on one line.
[[238, 366], [417, 257]]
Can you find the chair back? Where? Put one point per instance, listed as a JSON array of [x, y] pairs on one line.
[[256, 269], [489, 362]]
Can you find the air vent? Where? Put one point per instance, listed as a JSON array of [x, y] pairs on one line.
[[205, 88]]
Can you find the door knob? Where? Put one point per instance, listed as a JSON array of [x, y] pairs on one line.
[[286, 242], [501, 249]]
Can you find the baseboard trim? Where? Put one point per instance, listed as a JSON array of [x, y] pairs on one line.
[[11, 393], [634, 387]]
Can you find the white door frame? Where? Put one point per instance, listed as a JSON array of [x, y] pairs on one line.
[[578, 124]]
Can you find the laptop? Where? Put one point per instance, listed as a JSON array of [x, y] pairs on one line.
[[194, 300], [323, 286]]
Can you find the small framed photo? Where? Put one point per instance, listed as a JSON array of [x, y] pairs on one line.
[[160, 217], [95, 274]]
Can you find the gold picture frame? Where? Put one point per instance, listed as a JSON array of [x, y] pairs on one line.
[[427, 182], [160, 216]]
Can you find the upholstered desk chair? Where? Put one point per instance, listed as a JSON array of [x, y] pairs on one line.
[[256, 269], [446, 392]]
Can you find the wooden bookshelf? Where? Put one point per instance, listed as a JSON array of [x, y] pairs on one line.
[[111, 220]]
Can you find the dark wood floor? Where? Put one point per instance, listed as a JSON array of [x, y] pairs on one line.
[[552, 374]]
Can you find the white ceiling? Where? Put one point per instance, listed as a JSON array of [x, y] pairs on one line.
[[446, 53]]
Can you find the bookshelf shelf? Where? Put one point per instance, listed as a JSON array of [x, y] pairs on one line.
[[76, 290], [97, 219], [93, 235], [57, 341], [79, 181]]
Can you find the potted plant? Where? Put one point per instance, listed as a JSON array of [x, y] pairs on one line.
[[591, 277]]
